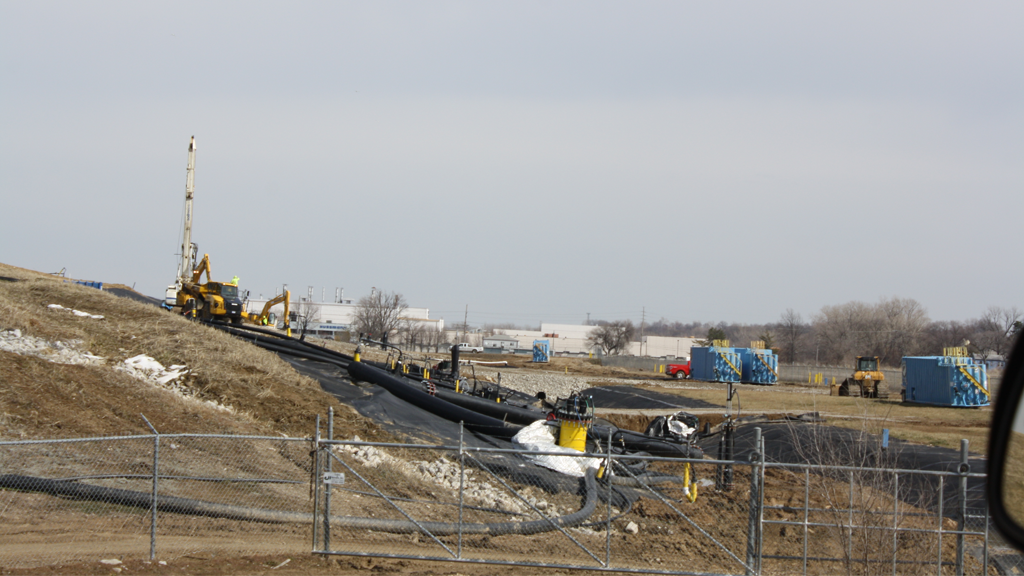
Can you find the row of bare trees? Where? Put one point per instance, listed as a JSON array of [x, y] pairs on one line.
[[890, 329]]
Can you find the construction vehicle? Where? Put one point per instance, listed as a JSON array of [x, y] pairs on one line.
[[867, 380], [268, 318], [188, 296]]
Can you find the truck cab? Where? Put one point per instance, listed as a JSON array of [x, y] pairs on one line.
[[678, 371]]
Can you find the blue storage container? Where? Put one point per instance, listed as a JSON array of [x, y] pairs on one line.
[[945, 381], [541, 350], [760, 365], [714, 364]]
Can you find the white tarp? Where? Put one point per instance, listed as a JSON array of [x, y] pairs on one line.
[[540, 437]]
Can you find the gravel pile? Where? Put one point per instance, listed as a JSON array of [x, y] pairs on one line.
[[442, 473], [553, 384]]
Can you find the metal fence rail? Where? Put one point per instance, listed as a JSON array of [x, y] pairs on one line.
[[166, 496]]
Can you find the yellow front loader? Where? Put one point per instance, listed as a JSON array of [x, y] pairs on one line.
[[867, 380]]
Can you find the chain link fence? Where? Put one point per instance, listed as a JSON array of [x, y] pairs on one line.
[[166, 496], [152, 497]]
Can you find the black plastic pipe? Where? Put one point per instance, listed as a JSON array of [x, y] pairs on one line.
[[402, 389], [200, 508]]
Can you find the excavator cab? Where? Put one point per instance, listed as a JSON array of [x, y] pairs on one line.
[[867, 380], [867, 364]]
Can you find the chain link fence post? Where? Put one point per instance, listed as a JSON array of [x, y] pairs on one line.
[[462, 481], [962, 471], [156, 476], [327, 487], [315, 479], [753, 515]]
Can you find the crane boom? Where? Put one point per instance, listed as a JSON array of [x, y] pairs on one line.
[[187, 253]]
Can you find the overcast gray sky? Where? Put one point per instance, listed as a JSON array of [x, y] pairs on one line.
[[532, 160]]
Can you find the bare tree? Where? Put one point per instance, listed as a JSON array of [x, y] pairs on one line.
[[791, 328], [900, 323], [998, 327], [613, 337], [841, 331], [305, 313], [948, 333], [380, 313]]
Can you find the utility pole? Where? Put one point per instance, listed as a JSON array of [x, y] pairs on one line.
[[588, 318], [643, 317], [465, 321]]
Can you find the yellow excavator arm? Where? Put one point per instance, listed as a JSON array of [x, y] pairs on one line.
[[203, 266], [265, 313]]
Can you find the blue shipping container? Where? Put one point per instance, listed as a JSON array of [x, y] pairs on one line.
[[713, 364], [945, 381], [760, 365]]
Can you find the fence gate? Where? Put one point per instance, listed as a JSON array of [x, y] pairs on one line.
[[495, 506]]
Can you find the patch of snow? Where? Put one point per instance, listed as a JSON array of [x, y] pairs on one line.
[[147, 369], [57, 352], [75, 312], [140, 367]]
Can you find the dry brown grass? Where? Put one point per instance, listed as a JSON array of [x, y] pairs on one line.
[[267, 394]]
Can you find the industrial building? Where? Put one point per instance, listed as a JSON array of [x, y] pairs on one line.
[[330, 318]]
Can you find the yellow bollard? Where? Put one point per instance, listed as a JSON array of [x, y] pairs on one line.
[[457, 382], [426, 373], [566, 369], [691, 488]]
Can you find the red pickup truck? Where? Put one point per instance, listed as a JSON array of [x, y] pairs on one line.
[[678, 371]]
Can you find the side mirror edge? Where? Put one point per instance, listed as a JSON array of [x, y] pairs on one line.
[[1007, 403]]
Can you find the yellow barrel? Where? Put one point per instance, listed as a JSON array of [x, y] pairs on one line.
[[573, 434]]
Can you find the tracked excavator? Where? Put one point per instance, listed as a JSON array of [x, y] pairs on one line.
[[188, 295], [266, 317]]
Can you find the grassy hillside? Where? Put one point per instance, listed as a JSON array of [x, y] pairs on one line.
[[231, 387]]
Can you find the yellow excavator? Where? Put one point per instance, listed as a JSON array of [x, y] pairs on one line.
[[209, 301], [266, 317], [867, 380]]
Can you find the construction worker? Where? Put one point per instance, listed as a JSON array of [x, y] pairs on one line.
[[235, 280]]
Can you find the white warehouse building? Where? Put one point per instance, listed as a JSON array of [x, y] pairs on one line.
[[329, 318]]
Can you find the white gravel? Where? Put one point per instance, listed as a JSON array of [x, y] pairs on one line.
[[553, 384], [441, 472]]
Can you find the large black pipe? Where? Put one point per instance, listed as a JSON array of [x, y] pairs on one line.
[[175, 504], [401, 388], [501, 410], [455, 362]]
